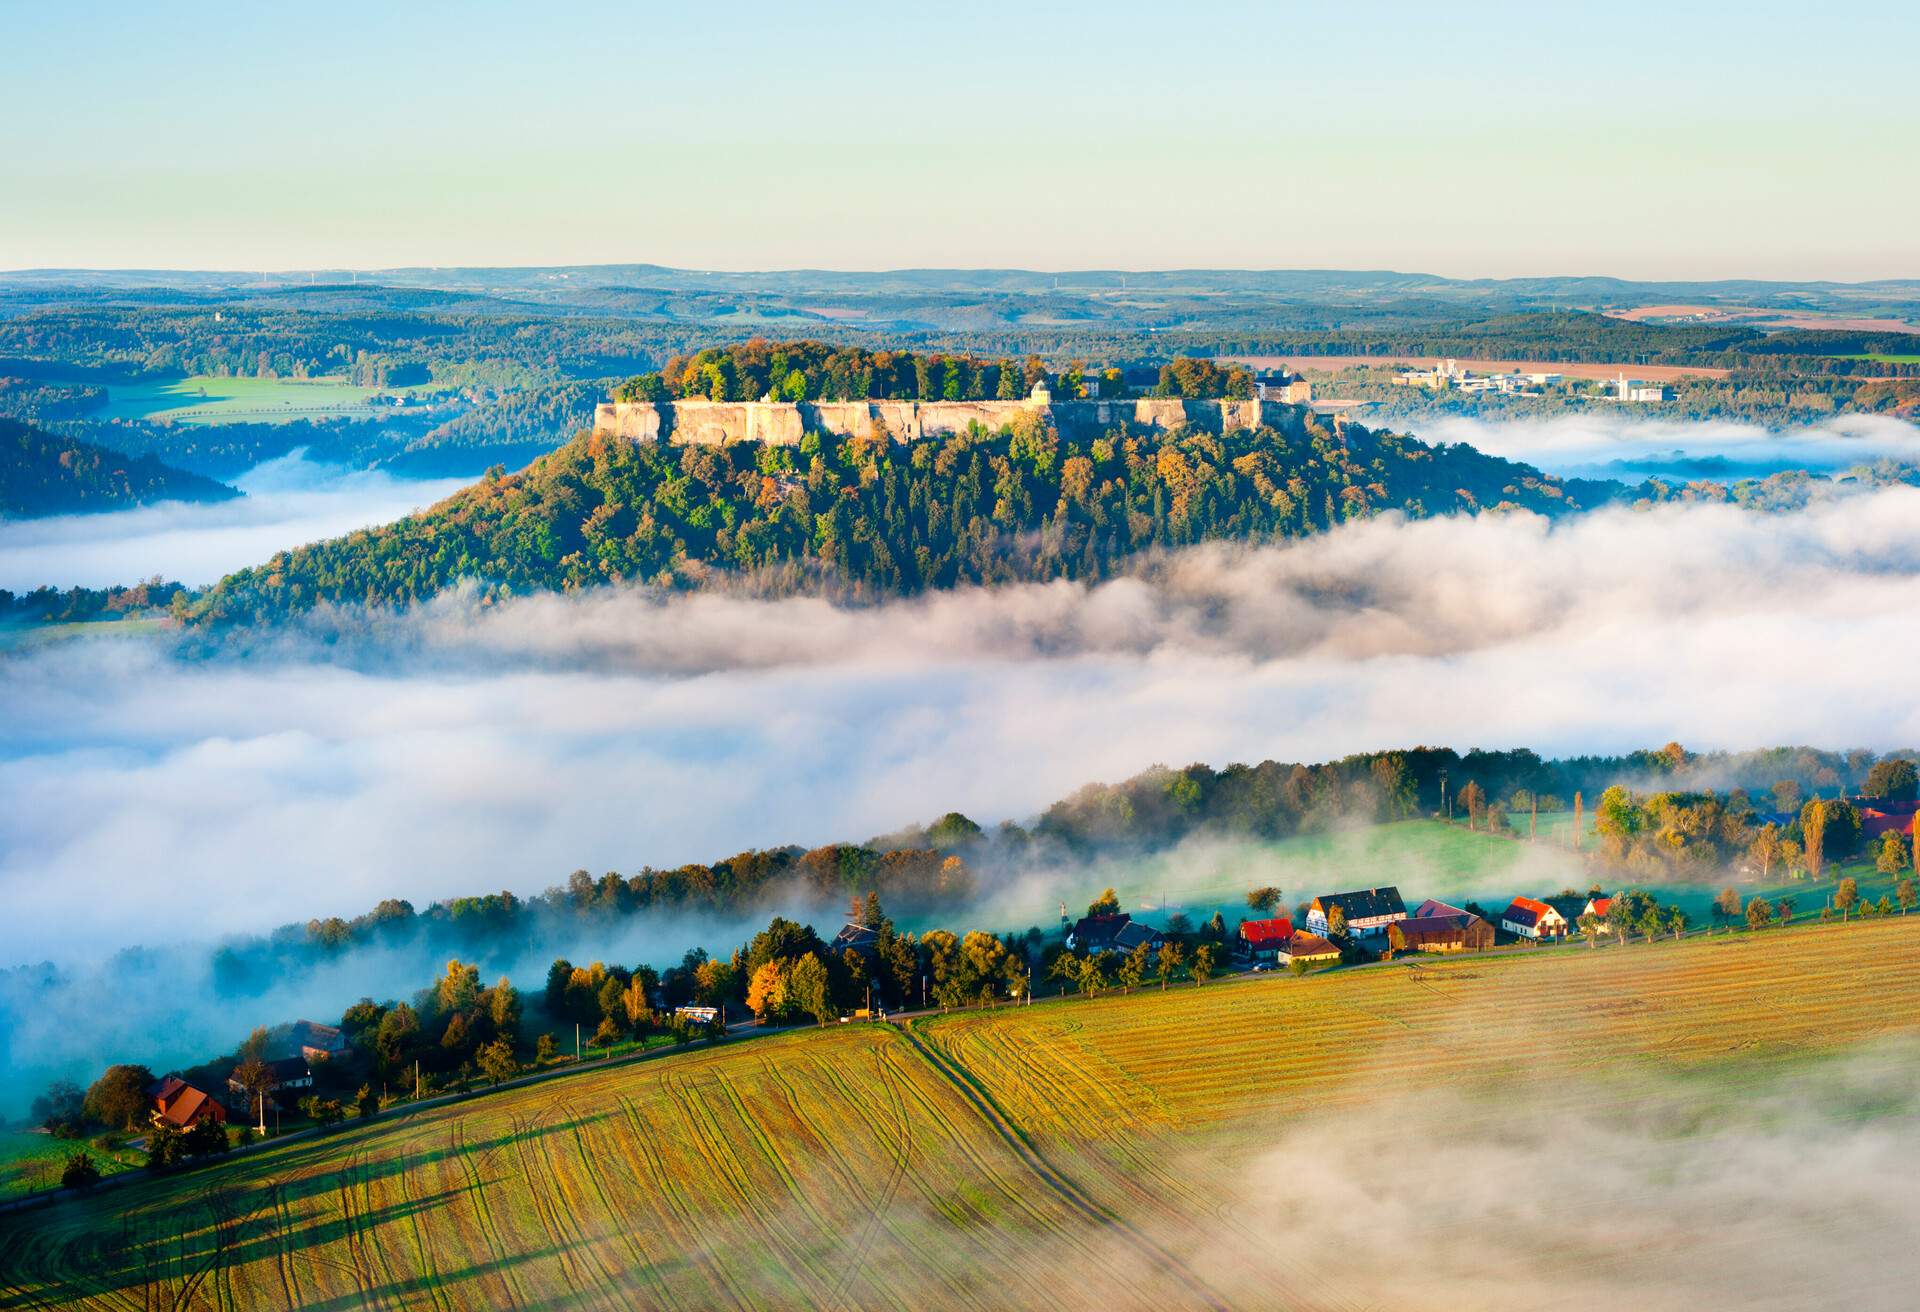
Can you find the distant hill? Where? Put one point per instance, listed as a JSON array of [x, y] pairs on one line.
[[874, 518], [42, 473]]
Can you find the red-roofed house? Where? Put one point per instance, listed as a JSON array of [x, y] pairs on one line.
[[1263, 940], [178, 1103], [1529, 917], [1456, 933], [1879, 816], [1597, 907]]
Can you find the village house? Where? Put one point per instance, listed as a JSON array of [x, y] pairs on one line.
[[312, 1040], [1879, 816], [1119, 932], [1368, 912], [1529, 917], [858, 939], [1451, 933], [1571, 906], [1264, 940], [1431, 908], [1597, 907], [177, 1103], [1308, 948], [288, 1080]]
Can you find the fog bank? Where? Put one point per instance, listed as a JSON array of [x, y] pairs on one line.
[[289, 501], [460, 750], [1616, 444]]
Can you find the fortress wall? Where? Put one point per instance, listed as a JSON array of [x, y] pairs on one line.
[[781, 423]]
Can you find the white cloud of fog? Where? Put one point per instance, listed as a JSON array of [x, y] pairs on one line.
[[1765, 1189], [1615, 445], [465, 751], [288, 502]]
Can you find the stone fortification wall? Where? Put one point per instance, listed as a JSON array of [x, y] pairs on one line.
[[783, 423]]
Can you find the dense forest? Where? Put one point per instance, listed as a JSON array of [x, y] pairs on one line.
[[817, 371], [42, 473], [873, 517]]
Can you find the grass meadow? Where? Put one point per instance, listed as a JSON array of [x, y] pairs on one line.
[[210, 400], [1071, 1154]]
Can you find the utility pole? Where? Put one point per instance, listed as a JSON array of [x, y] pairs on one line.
[[576, 1042], [1443, 795]]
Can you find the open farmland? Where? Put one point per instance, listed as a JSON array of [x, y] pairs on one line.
[[1075, 1154], [210, 400]]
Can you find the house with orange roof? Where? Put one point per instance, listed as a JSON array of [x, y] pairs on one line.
[[177, 1103], [1529, 917]]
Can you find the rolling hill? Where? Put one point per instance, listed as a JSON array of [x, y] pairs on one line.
[[1127, 1151], [874, 518], [42, 473]]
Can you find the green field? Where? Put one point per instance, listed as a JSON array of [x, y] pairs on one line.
[[1127, 1151], [30, 1161], [1882, 359], [208, 400]]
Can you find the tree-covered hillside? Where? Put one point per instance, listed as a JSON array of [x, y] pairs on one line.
[[875, 517], [42, 473]]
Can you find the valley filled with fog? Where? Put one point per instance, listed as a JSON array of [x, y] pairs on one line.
[[165, 791]]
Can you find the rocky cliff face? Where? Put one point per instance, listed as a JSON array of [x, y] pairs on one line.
[[783, 423]]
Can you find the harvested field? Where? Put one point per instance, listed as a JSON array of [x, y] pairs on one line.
[[1076, 1154], [1652, 373]]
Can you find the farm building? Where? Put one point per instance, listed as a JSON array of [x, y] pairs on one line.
[[1307, 947], [1531, 918], [1571, 906], [1457, 933], [288, 1079], [1368, 911], [1430, 908], [1879, 816], [856, 938], [1597, 907], [1263, 940], [178, 1103], [312, 1040], [1119, 932]]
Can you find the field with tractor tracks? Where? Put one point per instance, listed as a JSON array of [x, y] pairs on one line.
[[1126, 1151]]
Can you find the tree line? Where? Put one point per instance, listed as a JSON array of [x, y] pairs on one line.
[[873, 517]]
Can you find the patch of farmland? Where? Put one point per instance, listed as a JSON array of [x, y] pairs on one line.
[[1082, 1154]]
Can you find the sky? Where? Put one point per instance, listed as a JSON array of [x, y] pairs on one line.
[[1669, 140]]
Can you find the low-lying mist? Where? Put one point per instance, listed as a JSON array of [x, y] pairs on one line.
[[289, 501], [156, 794], [1626, 446]]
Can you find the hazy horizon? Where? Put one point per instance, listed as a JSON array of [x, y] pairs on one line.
[[1652, 143]]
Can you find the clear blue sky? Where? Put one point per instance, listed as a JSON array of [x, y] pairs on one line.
[[1645, 140]]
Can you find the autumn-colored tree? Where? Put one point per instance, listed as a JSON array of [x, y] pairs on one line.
[[1590, 926], [1759, 913], [1170, 959], [767, 992], [1203, 963], [1906, 894], [497, 1061], [1474, 798], [1336, 919], [1813, 830], [1107, 904], [1134, 966], [1846, 896], [1891, 856], [1264, 900]]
